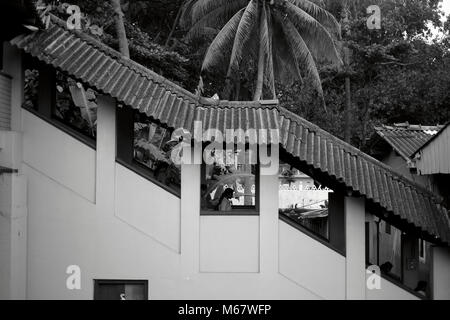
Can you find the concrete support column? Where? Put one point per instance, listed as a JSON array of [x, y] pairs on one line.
[[441, 273], [13, 236], [268, 224], [190, 217], [106, 154], [13, 186], [355, 248]]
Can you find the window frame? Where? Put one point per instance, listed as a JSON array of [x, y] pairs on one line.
[[422, 250], [387, 228], [69, 126], [336, 222], [98, 282], [249, 211], [125, 147], [405, 239], [46, 103]]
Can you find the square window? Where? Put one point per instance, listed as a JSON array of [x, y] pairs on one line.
[[229, 185]]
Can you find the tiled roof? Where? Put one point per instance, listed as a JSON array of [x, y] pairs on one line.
[[102, 68], [405, 138]]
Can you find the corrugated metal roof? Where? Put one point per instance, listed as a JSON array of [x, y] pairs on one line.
[[102, 68], [405, 138], [434, 156]]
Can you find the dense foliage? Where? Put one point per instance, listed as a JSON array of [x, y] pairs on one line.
[[399, 73]]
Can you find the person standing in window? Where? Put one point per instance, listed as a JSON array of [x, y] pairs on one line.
[[225, 200]]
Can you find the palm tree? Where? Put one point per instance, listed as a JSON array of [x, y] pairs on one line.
[[120, 28], [284, 37]]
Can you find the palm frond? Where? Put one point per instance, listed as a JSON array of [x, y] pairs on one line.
[[301, 51], [186, 14], [286, 68], [215, 18], [243, 34], [320, 14], [315, 35], [222, 43], [202, 7]]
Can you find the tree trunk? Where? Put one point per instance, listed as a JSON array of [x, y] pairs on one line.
[[120, 28], [175, 25], [348, 97], [261, 62], [271, 66], [227, 90], [260, 79], [348, 109], [237, 91]]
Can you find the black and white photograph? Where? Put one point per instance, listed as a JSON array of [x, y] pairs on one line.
[[236, 152]]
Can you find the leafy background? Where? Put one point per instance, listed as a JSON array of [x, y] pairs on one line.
[[398, 74]]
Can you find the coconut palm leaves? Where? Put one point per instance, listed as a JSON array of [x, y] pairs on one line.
[[285, 37]]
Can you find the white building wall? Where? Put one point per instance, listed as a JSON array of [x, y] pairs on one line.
[[13, 236], [59, 156], [441, 273], [229, 244], [135, 205], [388, 291], [150, 234], [311, 264], [65, 229], [135, 242]]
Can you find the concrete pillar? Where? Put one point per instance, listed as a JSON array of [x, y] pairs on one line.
[[268, 222], [190, 217], [441, 273], [13, 186], [106, 154], [13, 236], [355, 248]]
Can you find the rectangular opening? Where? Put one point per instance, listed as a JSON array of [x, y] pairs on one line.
[[304, 201], [75, 105], [230, 184], [402, 257], [144, 146], [120, 290], [152, 146], [60, 100], [31, 83]]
